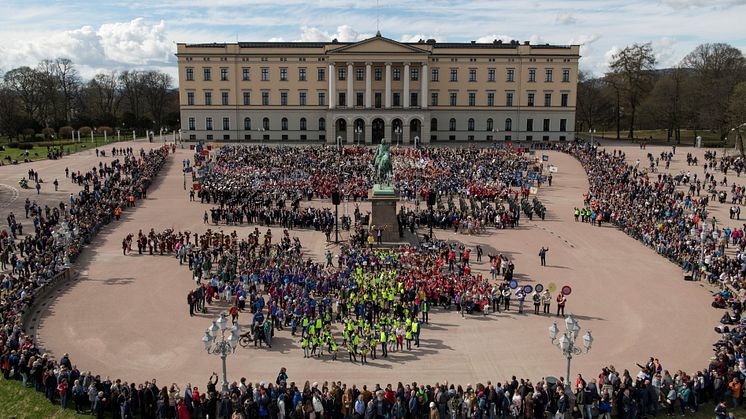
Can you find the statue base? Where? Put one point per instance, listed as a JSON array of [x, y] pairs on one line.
[[383, 212]]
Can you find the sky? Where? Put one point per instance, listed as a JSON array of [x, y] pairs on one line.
[[103, 35]]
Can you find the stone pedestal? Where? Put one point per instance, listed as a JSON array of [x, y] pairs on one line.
[[383, 213]]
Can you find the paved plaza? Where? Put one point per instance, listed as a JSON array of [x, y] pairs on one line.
[[127, 316]]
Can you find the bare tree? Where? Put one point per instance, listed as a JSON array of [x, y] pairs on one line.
[[156, 88], [718, 68], [103, 95], [69, 84], [594, 108], [23, 82], [634, 65], [133, 91], [10, 112]]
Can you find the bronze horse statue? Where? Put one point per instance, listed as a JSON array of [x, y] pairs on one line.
[[382, 163]]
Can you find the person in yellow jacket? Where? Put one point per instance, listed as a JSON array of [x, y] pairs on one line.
[[304, 345], [383, 339], [408, 338], [416, 332]]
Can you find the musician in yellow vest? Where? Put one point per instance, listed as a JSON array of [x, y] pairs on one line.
[[416, 332], [384, 340]]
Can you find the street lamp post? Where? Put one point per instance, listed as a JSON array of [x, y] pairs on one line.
[[495, 134], [416, 141], [566, 341], [261, 134], [592, 132], [216, 343], [398, 132], [339, 141], [358, 134]]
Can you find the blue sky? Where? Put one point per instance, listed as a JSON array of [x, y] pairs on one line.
[[108, 35]]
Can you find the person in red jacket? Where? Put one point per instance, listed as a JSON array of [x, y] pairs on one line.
[[561, 301]]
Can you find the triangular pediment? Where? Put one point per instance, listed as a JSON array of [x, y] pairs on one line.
[[378, 44]]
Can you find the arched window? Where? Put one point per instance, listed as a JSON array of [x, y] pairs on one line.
[[452, 124], [247, 124], [303, 124], [434, 124], [508, 124], [265, 124], [471, 124], [490, 126], [284, 124], [322, 124]]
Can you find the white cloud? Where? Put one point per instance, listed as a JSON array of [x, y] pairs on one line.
[[136, 42], [344, 33], [566, 19], [665, 52], [124, 44], [493, 37], [611, 54]]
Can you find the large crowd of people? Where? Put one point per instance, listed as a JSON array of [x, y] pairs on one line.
[[54, 239], [240, 174], [475, 187], [370, 289]]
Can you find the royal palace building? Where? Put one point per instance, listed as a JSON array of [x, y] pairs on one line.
[[363, 92]]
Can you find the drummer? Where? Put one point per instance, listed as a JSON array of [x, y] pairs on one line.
[[521, 298], [536, 297], [506, 298]]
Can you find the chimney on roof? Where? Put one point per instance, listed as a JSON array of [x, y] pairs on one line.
[[499, 42], [473, 42], [334, 41], [431, 41], [526, 42]]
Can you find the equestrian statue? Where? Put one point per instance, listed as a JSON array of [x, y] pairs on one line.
[[382, 164]]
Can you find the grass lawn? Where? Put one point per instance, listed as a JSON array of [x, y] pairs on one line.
[[40, 153], [19, 402], [709, 139]]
